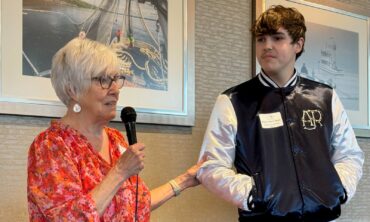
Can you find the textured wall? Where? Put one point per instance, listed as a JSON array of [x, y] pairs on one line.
[[222, 59]]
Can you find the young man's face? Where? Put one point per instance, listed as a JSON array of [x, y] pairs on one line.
[[276, 53]]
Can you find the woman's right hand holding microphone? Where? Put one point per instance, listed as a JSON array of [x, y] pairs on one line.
[[131, 161]]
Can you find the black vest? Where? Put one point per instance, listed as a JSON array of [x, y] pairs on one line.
[[289, 160]]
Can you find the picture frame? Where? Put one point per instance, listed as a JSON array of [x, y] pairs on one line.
[[24, 95], [336, 53]]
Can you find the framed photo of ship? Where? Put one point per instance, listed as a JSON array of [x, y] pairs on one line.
[[336, 53], [153, 39]]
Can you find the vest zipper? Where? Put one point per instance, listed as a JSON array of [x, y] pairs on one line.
[[291, 146]]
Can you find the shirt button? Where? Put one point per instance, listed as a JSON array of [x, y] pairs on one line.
[[296, 150], [290, 122]]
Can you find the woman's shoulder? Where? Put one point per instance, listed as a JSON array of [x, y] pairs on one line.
[[54, 130], [52, 137]]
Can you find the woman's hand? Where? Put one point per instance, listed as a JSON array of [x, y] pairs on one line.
[[131, 161], [189, 179], [165, 192]]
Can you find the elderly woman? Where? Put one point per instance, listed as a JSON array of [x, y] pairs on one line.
[[79, 169]]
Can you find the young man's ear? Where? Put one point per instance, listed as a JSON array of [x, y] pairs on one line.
[[299, 45]]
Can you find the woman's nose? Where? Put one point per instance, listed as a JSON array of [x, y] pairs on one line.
[[114, 87]]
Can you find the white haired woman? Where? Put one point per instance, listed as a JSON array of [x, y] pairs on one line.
[[76, 169]]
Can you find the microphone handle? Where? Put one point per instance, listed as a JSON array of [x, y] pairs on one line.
[[131, 132], [131, 136]]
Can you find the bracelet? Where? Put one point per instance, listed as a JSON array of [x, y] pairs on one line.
[[175, 187]]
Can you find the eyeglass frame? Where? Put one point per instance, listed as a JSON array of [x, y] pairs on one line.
[[100, 79]]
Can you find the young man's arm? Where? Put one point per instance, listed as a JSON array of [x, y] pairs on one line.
[[347, 156], [216, 174]]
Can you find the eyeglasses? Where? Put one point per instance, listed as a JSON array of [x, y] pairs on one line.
[[106, 81]]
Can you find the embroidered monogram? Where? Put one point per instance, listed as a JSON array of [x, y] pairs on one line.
[[311, 119]]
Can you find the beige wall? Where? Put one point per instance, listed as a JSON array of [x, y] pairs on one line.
[[222, 59]]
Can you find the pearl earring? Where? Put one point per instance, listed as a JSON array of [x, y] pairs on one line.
[[76, 108]]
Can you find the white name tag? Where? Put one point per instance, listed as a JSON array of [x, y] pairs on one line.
[[121, 149], [271, 120]]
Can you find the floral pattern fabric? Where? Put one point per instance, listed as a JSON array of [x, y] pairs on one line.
[[63, 168]]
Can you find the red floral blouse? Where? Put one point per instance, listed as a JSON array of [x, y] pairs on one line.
[[63, 168]]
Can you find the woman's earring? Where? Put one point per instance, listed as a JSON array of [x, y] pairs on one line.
[[76, 108]]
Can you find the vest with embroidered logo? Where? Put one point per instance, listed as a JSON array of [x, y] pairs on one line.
[[283, 142]]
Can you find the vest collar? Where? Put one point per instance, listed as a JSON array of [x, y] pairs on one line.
[[268, 82]]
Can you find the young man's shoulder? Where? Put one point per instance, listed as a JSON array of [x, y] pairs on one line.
[[316, 83], [250, 84]]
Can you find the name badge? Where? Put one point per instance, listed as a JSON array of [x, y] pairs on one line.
[[271, 120], [121, 149]]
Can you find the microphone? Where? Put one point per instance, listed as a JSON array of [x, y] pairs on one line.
[[128, 117]]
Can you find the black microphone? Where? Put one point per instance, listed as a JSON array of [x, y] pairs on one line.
[[128, 117]]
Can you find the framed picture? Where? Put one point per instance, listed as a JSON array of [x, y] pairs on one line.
[[336, 53], [154, 40]]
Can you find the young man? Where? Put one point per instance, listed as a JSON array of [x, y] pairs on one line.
[[289, 138]]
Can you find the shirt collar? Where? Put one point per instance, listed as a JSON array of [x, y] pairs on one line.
[[268, 82]]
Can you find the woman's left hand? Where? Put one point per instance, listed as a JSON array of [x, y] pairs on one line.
[[189, 178]]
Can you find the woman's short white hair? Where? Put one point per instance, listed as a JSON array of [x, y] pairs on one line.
[[76, 63]]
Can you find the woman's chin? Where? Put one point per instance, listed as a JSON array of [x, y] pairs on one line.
[[110, 114]]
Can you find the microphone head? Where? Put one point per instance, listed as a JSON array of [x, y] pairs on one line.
[[128, 114]]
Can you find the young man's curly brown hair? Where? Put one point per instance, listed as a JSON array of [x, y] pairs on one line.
[[278, 16]]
